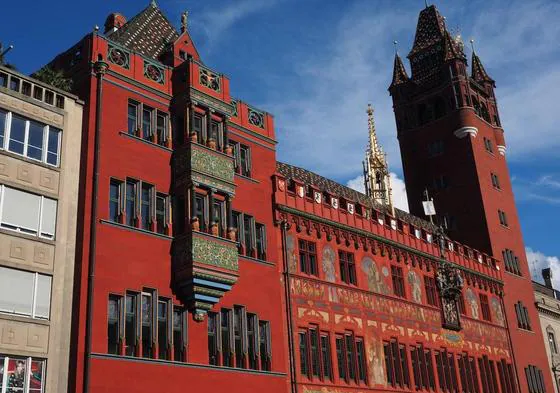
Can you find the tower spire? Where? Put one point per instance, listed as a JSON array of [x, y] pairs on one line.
[[478, 72], [376, 172], [399, 72]]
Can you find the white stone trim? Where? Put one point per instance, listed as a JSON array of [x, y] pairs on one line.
[[464, 131], [502, 149]]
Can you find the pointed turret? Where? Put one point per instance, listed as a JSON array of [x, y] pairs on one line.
[[376, 171], [430, 29], [453, 47], [399, 73], [479, 74]]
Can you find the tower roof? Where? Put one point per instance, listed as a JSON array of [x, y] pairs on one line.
[[147, 33], [399, 72], [479, 74], [430, 29]]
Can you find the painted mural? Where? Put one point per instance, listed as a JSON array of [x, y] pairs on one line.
[[415, 286], [375, 361], [473, 302], [291, 251], [497, 311], [328, 262], [376, 282]]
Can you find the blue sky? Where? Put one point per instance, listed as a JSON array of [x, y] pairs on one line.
[[315, 65]]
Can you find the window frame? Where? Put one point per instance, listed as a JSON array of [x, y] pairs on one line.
[[34, 295], [347, 265], [29, 362], [308, 257]]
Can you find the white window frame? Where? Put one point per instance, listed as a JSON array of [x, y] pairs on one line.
[[28, 231], [46, 131], [28, 361], [34, 297]]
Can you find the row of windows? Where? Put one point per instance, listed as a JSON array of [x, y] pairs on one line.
[[27, 213], [535, 379], [31, 90], [315, 354], [29, 138], [137, 204], [242, 158], [148, 123], [21, 374], [239, 339], [207, 131], [251, 236], [511, 261], [25, 293], [522, 314], [145, 325]]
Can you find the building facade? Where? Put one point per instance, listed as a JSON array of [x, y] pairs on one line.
[[40, 136], [547, 300], [202, 259]]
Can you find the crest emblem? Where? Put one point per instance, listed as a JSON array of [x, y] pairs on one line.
[[350, 208], [300, 191], [281, 185], [317, 197], [334, 203]]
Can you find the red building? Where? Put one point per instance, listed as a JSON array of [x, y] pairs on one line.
[[205, 264]]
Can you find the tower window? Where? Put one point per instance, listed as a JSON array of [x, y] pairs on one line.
[[511, 261], [522, 316], [488, 145], [535, 379], [495, 181], [503, 218], [435, 148]]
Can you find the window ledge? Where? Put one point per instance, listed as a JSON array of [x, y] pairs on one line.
[[247, 178], [525, 330], [30, 160], [251, 259], [126, 134], [25, 319], [133, 229], [26, 236], [185, 364]]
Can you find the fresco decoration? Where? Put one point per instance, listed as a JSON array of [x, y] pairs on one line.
[[291, 251], [376, 282], [497, 311], [471, 298], [376, 361], [415, 286], [328, 262]]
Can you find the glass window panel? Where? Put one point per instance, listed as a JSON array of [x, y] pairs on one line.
[[16, 291], [16, 375], [147, 123], [21, 210], [3, 116], [132, 119], [43, 297], [130, 203], [17, 135], [53, 146], [2, 360], [48, 222], [35, 140], [36, 376]]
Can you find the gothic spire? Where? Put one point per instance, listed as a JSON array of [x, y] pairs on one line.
[[479, 74], [399, 72], [376, 172], [452, 47], [430, 29]]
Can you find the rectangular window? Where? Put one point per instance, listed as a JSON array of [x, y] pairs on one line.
[[347, 267], [25, 293], [242, 158], [115, 190], [114, 319], [214, 133], [340, 356], [219, 214], [398, 281], [238, 318], [422, 368], [147, 130], [361, 360], [248, 233], [27, 213], [488, 145], [396, 364], [147, 324], [163, 329], [162, 128], [260, 237], [133, 118], [552, 343], [213, 338], [431, 291], [252, 341], [3, 116], [21, 374], [130, 324], [495, 181], [304, 353], [226, 350], [522, 316], [308, 257], [146, 206], [161, 213], [446, 370], [179, 334], [503, 218], [197, 126], [436, 148], [200, 210], [315, 354], [326, 363], [485, 307], [264, 345]]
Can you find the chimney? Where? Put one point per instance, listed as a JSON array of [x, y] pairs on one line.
[[547, 275], [114, 22]]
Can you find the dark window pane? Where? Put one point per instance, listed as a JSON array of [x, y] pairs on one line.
[[53, 146], [113, 325], [130, 203], [35, 140], [146, 206], [147, 314], [213, 338], [3, 116], [147, 123], [130, 325], [162, 331], [17, 135], [132, 120]]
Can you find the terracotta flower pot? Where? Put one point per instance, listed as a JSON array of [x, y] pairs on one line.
[[195, 224], [229, 150], [214, 229], [232, 234], [212, 143], [194, 137]]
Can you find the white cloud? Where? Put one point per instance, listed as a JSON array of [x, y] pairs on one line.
[[544, 189], [397, 184], [538, 261]]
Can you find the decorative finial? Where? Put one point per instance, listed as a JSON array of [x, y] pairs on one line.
[[96, 28], [153, 3], [426, 3], [472, 44], [396, 43], [184, 20]]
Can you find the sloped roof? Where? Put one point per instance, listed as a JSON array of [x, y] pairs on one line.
[[479, 73], [147, 33], [337, 189], [430, 29], [399, 72]]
